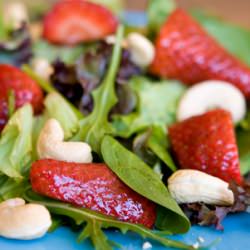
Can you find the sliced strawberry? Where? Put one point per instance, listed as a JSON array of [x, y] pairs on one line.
[[25, 90], [71, 22], [186, 52], [207, 143], [93, 186]]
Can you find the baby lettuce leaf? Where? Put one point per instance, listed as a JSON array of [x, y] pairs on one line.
[[116, 6], [57, 107], [16, 142], [235, 39], [96, 125], [43, 49], [142, 179], [94, 223], [157, 104]]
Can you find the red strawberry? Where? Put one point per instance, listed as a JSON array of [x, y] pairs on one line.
[[186, 52], [71, 22], [207, 143], [25, 90], [93, 186]]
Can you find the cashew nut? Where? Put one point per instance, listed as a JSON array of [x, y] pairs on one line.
[[15, 13], [42, 67], [189, 186], [23, 221], [142, 50], [50, 145]]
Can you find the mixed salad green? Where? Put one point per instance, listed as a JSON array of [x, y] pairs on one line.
[[101, 97]]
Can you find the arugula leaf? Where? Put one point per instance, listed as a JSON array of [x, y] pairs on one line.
[[95, 222], [243, 142], [52, 52], [58, 108], [16, 142], [142, 179], [233, 38], [158, 12], [157, 106], [96, 125]]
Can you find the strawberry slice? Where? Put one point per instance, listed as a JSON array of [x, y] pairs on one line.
[[25, 89], [93, 186], [71, 22], [207, 143], [185, 51]]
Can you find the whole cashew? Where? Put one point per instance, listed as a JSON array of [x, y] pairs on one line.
[[50, 145], [23, 221], [142, 50]]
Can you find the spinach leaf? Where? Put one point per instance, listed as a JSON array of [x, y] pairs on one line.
[[158, 12], [94, 223], [16, 142], [158, 143], [153, 142], [157, 104], [142, 179], [233, 38], [96, 125]]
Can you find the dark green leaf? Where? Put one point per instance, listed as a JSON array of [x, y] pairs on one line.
[[96, 221], [142, 179], [96, 125]]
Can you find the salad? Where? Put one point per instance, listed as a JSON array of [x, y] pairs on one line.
[[107, 125]]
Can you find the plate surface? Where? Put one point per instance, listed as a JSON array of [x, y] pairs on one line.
[[236, 235]]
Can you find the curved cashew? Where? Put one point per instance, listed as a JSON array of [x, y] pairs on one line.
[[23, 221], [50, 145], [142, 50], [189, 186]]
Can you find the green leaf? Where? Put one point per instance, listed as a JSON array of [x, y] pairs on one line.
[[11, 188], [157, 106], [142, 179], [233, 38], [158, 144], [116, 6], [96, 125], [158, 11], [243, 142], [56, 107], [16, 142], [97, 221], [43, 49]]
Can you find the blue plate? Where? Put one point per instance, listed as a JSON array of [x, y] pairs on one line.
[[235, 237]]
